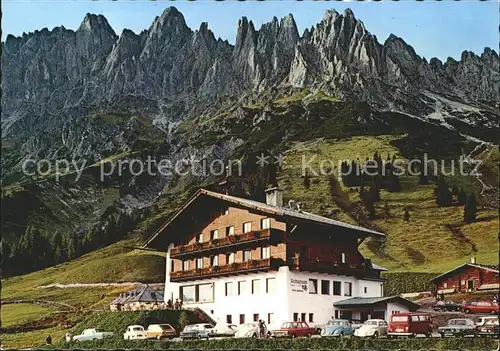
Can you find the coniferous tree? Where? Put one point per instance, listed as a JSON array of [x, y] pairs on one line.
[[406, 215], [462, 197], [307, 180], [370, 207], [443, 193], [272, 171], [470, 209]]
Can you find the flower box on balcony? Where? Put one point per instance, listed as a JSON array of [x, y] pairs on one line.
[[233, 265], [252, 263], [232, 238], [214, 243]]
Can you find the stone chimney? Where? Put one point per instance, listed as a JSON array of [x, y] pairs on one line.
[[274, 197], [473, 260]]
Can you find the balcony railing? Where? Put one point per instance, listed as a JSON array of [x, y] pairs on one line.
[[358, 270], [233, 268], [269, 234]]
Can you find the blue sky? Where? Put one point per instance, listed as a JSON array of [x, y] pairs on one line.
[[434, 29]]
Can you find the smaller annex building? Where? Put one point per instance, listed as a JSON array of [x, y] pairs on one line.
[[363, 308], [468, 277], [143, 298]]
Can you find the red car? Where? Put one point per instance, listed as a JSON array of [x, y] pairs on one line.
[[410, 325], [481, 307], [293, 330]]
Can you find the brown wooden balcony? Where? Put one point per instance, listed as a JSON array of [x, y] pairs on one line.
[[233, 268], [357, 270], [216, 245]]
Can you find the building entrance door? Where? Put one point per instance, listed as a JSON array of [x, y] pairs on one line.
[[470, 285]]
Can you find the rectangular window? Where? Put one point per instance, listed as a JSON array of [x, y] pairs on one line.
[[265, 223], [295, 317], [199, 263], [256, 286], [270, 285], [242, 319], [270, 318], [185, 265], [242, 287], [247, 255], [205, 292], [342, 257], [302, 317], [247, 227], [311, 317], [200, 237], [229, 319], [171, 265], [226, 211], [313, 286], [214, 261], [229, 289], [325, 287], [337, 314], [214, 234], [337, 286], [230, 258], [265, 252], [347, 289], [365, 290], [188, 293], [255, 317], [229, 230]]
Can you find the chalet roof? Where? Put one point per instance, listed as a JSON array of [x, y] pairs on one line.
[[269, 209], [142, 294], [371, 301], [486, 267]]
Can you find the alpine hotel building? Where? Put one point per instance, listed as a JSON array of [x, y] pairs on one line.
[[241, 260]]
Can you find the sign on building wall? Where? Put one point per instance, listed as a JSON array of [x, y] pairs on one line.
[[298, 285]]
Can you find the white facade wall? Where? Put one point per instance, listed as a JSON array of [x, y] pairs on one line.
[[394, 307], [322, 305], [288, 297]]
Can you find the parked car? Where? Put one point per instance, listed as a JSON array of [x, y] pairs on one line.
[[135, 332], [293, 330], [489, 327], [250, 330], [93, 334], [337, 327], [224, 329], [409, 324], [447, 306], [481, 307], [372, 328], [161, 331], [197, 331], [458, 327], [482, 320]]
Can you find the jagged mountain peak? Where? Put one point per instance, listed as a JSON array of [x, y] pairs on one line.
[[95, 22]]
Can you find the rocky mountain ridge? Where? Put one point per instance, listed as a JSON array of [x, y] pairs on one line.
[[50, 71]]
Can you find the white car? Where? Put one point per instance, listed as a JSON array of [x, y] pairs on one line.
[[135, 332], [225, 329], [92, 335], [249, 330], [372, 328]]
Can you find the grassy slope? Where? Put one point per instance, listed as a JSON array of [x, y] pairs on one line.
[[113, 264], [18, 313], [419, 245]]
